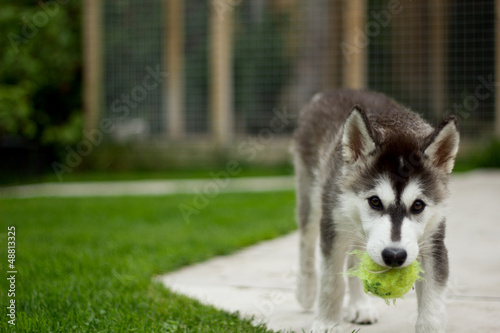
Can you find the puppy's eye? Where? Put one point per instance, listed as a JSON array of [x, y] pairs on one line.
[[417, 207], [375, 203]]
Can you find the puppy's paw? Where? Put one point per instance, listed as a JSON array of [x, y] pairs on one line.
[[320, 326], [363, 313], [306, 290]]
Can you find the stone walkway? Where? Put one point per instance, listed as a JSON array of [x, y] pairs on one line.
[[148, 187]]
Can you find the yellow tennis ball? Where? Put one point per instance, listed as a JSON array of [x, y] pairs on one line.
[[387, 283]]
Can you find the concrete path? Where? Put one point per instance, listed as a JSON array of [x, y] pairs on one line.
[[148, 187], [259, 281]]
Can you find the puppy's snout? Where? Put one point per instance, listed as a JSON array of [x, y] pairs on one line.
[[394, 257]]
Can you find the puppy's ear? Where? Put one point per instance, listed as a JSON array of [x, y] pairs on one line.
[[442, 145], [357, 139]]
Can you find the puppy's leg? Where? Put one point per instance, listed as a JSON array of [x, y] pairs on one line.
[[308, 221], [431, 292], [332, 285], [361, 308]]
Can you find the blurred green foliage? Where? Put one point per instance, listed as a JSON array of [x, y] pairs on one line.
[[40, 71]]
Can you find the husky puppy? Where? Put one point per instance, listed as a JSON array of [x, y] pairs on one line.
[[371, 175]]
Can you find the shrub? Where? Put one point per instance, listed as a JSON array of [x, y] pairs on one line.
[[40, 76]]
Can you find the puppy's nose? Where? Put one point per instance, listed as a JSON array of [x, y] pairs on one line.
[[394, 257]]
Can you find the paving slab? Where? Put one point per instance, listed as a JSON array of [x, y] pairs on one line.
[[259, 281]]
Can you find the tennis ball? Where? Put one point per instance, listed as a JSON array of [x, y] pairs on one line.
[[384, 282]]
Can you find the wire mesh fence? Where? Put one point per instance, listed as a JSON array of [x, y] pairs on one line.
[[133, 44], [437, 57]]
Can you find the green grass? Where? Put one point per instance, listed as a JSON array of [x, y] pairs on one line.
[[87, 264], [486, 155]]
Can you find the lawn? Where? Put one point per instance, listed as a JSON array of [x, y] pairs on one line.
[[87, 264]]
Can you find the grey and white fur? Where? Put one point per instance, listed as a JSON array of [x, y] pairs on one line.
[[371, 175]]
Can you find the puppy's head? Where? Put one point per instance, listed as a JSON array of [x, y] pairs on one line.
[[395, 184]]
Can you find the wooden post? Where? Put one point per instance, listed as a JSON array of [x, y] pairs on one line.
[[92, 62], [221, 74], [438, 55], [497, 68], [334, 56], [174, 62], [411, 78], [354, 46]]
